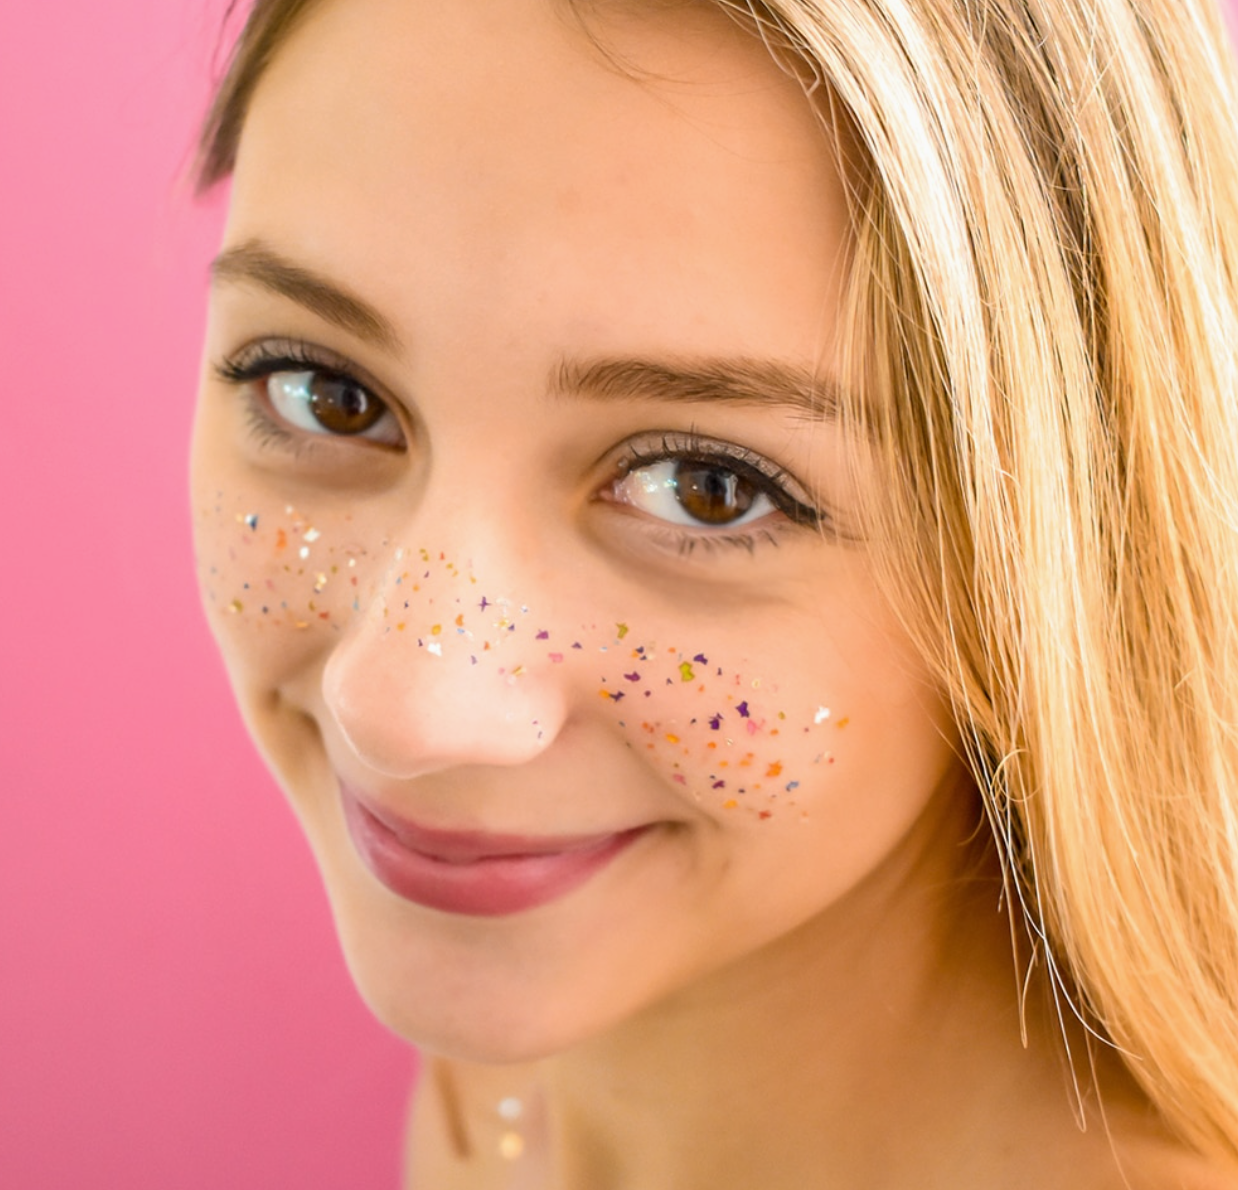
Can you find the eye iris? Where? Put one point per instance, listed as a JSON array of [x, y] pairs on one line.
[[711, 494], [343, 407]]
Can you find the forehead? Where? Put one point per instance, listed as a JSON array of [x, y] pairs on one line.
[[492, 151]]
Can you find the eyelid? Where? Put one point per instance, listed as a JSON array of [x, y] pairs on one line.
[[260, 359], [785, 491]]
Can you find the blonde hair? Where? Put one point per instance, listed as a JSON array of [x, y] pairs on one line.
[[1041, 346]]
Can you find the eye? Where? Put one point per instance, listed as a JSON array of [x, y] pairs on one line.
[[694, 492], [692, 482], [320, 402], [294, 386]]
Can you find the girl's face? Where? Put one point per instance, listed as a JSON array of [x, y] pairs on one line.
[[521, 515]]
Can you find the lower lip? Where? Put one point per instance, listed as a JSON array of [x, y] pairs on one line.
[[492, 886]]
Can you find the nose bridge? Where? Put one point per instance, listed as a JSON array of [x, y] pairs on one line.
[[439, 668]]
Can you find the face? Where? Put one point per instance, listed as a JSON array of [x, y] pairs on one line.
[[522, 519]]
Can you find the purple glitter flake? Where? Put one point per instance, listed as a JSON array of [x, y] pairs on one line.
[[743, 709], [701, 659], [719, 785], [715, 722], [633, 676], [615, 696], [543, 635]]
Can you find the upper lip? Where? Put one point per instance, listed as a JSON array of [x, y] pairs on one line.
[[466, 846]]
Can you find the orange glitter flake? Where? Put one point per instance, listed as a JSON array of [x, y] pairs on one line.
[[436, 629], [843, 722], [281, 539], [460, 620], [671, 738], [730, 804], [774, 769]]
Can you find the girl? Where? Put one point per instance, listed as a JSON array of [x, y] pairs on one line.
[[723, 520]]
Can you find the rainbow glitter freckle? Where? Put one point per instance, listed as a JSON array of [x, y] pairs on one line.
[[715, 733]]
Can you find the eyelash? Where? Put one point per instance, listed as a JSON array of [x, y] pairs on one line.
[[256, 364], [768, 477]]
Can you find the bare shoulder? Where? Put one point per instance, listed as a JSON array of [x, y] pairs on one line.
[[455, 1129]]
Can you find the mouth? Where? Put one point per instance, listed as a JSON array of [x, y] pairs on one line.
[[475, 873]]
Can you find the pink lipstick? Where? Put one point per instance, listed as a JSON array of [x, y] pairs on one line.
[[472, 872]]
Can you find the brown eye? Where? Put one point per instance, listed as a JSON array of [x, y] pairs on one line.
[[697, 493], [320, 402], [711, 494], [343, 406]]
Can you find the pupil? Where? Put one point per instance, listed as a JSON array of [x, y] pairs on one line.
[[711, 494], [343, 407]]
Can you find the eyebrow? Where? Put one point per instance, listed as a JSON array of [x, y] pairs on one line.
[[738, 381], [255, 262], [741, 380]]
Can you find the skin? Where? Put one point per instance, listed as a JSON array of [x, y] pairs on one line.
[[810, 884]]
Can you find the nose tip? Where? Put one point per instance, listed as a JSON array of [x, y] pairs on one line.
[[407, 707]]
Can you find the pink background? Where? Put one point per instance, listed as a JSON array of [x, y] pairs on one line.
[[173, 1009]]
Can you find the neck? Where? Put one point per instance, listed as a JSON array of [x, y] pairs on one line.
[[821, 1040]]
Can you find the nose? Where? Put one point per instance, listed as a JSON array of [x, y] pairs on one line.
[[433, 675]]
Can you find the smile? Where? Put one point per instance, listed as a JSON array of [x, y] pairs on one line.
[[475, 873]]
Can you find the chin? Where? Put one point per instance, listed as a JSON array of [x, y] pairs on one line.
[[464, 991], [493, 1028]]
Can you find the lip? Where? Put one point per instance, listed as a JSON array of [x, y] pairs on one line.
[[475, 873]]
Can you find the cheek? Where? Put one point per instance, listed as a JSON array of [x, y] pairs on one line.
[[748, 735], [275, 580]]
